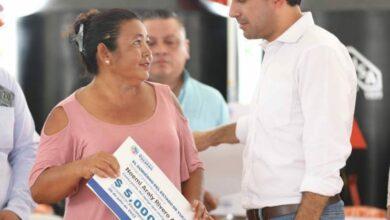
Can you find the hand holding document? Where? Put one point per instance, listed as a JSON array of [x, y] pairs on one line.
[[142, 191]]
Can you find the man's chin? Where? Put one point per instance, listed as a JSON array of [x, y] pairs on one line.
[[251, 36], [160, 73], [158, 76]]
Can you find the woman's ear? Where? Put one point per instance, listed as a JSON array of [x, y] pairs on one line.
[[104, 56]]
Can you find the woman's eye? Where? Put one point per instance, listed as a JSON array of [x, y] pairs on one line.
[[137, 42]]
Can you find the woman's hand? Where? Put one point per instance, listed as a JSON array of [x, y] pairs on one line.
[[8, 215], [200, 211], [102, 164], [209, 201]]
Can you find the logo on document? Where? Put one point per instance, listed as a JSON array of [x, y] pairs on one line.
[[134, 150]]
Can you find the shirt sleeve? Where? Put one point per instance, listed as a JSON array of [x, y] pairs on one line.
[[242, 128], [54, 150], [22, 157], [327, 91], [189, 158]]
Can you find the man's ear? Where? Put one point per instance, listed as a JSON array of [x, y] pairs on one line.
[[187, 46], [103, 55], [279, 3]]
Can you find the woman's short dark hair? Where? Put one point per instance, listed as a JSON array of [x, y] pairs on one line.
[[94, 27], [294, 2]]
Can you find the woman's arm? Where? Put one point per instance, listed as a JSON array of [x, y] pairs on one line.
[[192, 191], [57, 182], [192, 188]]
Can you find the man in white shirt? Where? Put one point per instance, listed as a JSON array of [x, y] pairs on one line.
[[18, 143], [297, 136]]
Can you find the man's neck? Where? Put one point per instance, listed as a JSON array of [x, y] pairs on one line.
[[175, 84], [290, 16]]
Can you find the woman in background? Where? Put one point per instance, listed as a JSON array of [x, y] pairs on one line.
[[83, 131]]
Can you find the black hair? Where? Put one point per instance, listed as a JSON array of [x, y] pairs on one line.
[[94, 27], [161, 14], [294, 2]]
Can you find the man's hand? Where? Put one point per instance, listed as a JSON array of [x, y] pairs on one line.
[[202, 140], [217, 136], [312, 206], [8, 215]]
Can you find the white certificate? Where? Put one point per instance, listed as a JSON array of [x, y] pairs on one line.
[[142, 191]]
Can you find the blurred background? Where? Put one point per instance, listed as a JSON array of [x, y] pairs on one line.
[[35, 49]]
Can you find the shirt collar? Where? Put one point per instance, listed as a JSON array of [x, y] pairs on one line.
[[186, 77], [294, 32]]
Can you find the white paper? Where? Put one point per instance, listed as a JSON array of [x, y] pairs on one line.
[[142, 191]]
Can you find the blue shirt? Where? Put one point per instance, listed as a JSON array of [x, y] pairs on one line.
[[18, 144], [203, 106]]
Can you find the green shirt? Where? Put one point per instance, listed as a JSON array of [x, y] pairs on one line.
[[202, 105]]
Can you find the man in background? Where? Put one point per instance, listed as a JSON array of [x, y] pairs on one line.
[[18, 143], [203, 106]]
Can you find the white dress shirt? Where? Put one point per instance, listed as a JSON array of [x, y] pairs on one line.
[[298, 134], [18, 144]]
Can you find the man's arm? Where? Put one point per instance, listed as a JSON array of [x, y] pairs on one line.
[[312, 206], [223, 134], [388, 212], [327, 91], [22, 157]]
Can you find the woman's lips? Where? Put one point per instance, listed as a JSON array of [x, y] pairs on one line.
[[145, 65]]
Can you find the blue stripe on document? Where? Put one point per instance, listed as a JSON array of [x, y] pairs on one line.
[[108, 200]]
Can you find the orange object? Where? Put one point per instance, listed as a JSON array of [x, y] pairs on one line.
[[364, 211], [357, 138], [224, 2]]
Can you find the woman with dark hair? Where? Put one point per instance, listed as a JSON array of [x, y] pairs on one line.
[[83, 131]]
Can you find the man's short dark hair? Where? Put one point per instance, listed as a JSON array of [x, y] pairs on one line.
[[161, 14], [294, 2]]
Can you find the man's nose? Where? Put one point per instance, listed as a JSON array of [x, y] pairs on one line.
[[159, 49], [233, 12]]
